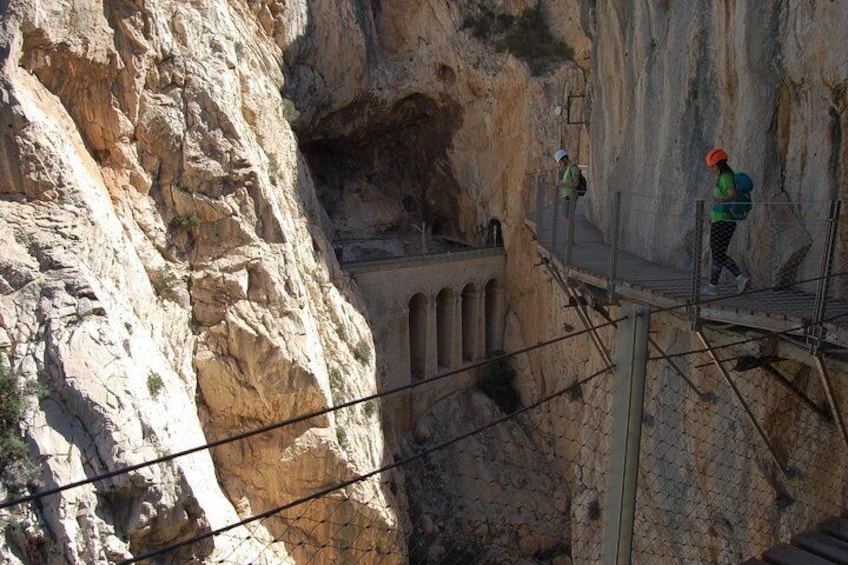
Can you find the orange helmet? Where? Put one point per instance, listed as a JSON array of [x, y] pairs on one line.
[[715, 155]]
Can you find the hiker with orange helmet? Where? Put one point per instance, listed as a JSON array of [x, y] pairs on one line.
[[722, 226]]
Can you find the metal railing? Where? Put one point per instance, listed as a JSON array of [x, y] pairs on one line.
[[786, 245]]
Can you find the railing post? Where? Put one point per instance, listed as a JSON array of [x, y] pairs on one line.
[[555, 220], [569, 240], [697, 250], [613, 256], [540, 204], [825, 271]]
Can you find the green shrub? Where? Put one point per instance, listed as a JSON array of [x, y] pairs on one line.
[[336, 379], [341, 436], [290, 112], [13, 404], [362, 352], [527, 37], [186, 221], [164, 282], [154, 384], [369, 407]]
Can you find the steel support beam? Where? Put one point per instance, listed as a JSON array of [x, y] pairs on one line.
[[628, 397], [741, 399]]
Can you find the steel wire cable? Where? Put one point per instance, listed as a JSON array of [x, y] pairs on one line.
[[362, 477], [291, 421], [385, 393], [766, 335]]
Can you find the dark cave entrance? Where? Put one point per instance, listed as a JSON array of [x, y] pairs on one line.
[[382, 175]]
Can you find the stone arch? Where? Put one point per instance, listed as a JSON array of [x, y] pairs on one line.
[[494, 317], [445, 324], [418, 337], [470, 321]]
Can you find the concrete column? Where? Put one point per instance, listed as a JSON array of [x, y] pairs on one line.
[[431, 365], [446, 322], [494, 318], [456, 351], [480, 324], [469, 325], [397, 346]]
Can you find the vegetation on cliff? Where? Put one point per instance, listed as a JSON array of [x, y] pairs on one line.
[[526, 36]]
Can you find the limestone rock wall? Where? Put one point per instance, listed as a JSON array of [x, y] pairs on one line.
[[166, 283], [174, 175], [767, 83]]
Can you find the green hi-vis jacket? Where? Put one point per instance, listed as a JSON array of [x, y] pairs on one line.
[[565, 188], [720, 211]]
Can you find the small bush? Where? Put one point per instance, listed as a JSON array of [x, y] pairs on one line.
[[336, 379], [13, 404], [369, 407], [362, 352], [527, 37], [154, 384], [186, 221], [164, 281], [341, 436], [290, 112]]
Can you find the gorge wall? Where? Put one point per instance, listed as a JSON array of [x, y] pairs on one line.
[[176, 175]]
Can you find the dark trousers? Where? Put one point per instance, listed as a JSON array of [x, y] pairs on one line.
[[720, 234]]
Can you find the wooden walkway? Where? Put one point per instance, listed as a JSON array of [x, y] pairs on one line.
[[825, 545], [644, 282]]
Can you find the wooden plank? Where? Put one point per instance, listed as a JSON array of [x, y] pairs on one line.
[[785, 554], [753, 561], [837, 527], [823, 545]]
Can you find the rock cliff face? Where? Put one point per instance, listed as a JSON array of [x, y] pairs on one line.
[[176, 174], [166, 281], [766, 83]]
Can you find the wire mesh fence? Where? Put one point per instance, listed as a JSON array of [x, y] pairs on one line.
[[710, 488], [487, 479]]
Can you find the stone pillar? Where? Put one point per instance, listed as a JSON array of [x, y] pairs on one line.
[[495, 313], [431, 366], [456, 337], [395, 345], [470, 325], [480, 324]]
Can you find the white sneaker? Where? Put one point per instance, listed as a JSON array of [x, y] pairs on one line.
[[743, 283], [709, 290]]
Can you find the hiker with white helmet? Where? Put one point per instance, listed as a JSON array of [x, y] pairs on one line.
[[570, 181]]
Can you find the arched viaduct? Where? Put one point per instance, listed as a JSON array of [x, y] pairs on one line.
[[431, 314]]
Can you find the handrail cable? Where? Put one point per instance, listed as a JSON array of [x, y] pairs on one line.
[[784, 286], [359, 478], [297, 419], [766, 334], [270, 427]]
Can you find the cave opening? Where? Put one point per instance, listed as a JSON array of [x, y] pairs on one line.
[[383, 176]]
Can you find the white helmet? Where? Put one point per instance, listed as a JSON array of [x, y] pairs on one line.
[[560, 154]]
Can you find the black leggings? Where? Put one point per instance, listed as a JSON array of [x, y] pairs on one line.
[[720, 234]]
